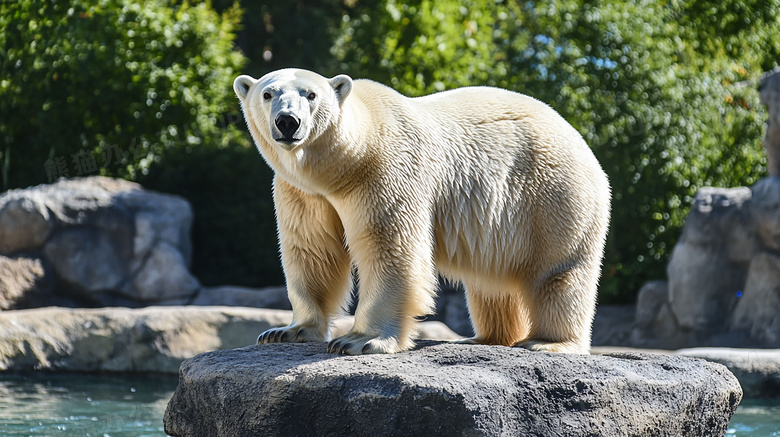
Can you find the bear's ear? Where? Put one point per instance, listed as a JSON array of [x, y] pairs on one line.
[[242, 84], [342, 84]]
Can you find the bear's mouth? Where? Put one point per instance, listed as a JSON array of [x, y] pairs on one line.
[[287, 143]]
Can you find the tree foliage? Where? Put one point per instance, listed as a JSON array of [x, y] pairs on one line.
[[108, 85]]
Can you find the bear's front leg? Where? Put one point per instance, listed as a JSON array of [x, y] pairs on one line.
[[397, 280], [316, 264]]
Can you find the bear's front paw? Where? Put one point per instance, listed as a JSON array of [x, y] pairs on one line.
[[290, 334], [356, 344]]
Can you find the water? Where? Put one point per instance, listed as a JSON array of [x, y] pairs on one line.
[[756, 418], [70, 405]]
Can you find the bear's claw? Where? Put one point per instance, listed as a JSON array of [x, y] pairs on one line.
[[290, 334], [358, 344]]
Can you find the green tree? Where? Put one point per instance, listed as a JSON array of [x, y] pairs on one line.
[[291, 33], [424, 46], [88, 86]]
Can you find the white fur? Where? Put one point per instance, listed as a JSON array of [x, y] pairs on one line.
[[487, 186]]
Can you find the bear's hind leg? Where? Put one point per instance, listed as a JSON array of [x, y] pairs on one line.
[[561, 312], [496, 318]]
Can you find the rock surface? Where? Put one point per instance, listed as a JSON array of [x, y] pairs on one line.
[[152, 339], [447, 390]]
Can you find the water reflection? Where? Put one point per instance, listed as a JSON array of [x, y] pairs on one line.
[[83, 405]]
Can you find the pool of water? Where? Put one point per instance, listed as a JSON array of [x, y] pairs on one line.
[[84, 405], [756, 418], [133, 406]]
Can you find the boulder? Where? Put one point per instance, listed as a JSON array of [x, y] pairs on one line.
[[705, 274], [447, 390], [724, 285], [758, 310], [108, 241]]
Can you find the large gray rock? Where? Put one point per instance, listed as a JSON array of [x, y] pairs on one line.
[[704, 272], [108, 241], [758, 311], [724, 285], [447, 390]]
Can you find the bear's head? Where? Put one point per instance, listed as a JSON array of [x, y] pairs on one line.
[[292, 107]]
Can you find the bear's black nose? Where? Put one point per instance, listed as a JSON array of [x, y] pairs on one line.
[[287, 125]]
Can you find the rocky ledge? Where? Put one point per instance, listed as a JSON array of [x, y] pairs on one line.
[[152, 339], [448, 390]]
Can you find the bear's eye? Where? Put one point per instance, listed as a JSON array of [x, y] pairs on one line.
[[267, 96], [311, 96]]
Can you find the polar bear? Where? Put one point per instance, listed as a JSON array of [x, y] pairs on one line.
[[486, 186]]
